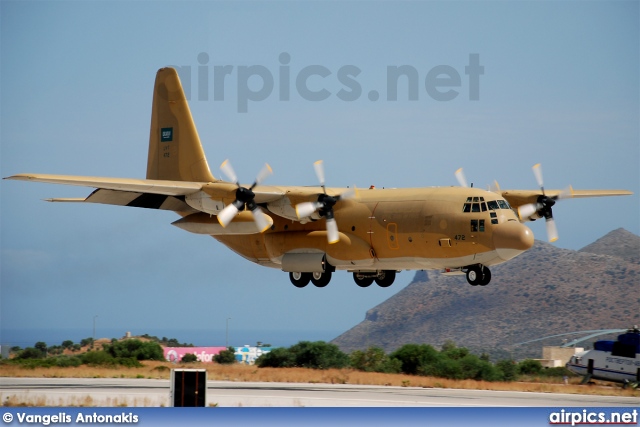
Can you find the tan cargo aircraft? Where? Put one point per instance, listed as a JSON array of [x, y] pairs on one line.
[[310, 232]]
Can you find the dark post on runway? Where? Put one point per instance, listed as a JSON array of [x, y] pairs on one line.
[[188, 387]]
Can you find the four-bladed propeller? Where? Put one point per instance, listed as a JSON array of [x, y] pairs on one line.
[[245, 197], [543, 205], [324, 205]]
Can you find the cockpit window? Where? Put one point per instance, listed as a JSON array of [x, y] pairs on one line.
[[478, 204]]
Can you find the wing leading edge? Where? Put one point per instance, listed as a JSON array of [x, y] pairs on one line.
[[517, 198]]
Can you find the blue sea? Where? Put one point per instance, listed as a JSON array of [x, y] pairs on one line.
[[198, 337]]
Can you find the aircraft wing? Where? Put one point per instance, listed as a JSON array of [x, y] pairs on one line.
[[517, 198], [154, 194], [169, 188]]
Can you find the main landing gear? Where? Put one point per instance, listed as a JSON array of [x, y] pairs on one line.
[[300, 280], [384, 278], [478, 275]]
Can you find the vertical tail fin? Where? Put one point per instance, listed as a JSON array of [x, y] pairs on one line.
[[175, 152]]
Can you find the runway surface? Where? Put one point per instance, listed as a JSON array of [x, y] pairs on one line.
[[149, 392]]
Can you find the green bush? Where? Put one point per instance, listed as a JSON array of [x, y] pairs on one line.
[[442, 367], [103, 358], [318, 355], [98, 358], [30, 353], [226, 357], [59, 361], [374, 359], [66, 361], [415, 358], [529, 367], [452, 362], [451, 351], [305, 354], [189, 358], [509, 370], [476, 368], [135, 349], [277, 358]]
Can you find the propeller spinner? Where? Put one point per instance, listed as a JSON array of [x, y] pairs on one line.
[[245, 197], [324, 205]]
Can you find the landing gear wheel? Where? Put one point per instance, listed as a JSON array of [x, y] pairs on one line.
[[321, 280], [385, 278], [299, 280], [474, 275], [486, 277], [363, 282]]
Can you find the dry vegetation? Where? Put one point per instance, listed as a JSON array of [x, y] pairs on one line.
[[216, 372]]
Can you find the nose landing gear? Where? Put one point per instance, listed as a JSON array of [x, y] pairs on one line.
[[478, 275]]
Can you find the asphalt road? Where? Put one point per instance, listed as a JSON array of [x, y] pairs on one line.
[[147, 392]]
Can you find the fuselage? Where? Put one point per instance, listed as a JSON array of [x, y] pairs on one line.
[[602, 365], [396, 229]]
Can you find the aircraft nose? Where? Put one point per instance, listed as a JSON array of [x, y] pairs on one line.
[[511, 239]]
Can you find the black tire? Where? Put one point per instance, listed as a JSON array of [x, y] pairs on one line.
[[486, 273], [386, 278], [321, 280], [474, 275], [364, 282], [300, 280]]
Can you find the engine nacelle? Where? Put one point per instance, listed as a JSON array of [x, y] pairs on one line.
[[204, 203]]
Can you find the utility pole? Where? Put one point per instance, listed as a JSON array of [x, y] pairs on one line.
[[94, 328], [226, 343]]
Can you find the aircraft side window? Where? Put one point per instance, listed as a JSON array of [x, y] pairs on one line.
[[476, 199], [468, 199], [503, 204], [482, 225], [475, 207], [474, 225], [467, 207], [484, 206], [492, 205], [494, 221]]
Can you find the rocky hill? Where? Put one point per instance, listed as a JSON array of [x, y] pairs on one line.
[[620, 243], [543, 292]]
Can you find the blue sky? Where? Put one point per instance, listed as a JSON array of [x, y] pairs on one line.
[[560, 87]]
